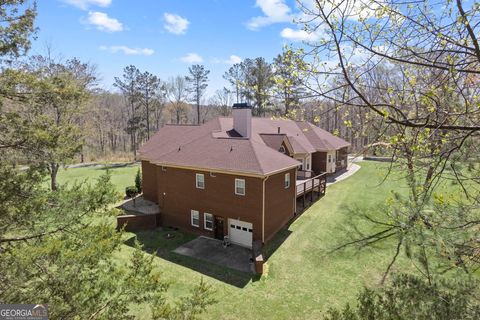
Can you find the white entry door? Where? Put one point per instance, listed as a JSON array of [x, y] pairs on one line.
[[240, 232]]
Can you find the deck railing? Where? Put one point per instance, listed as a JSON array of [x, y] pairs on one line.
[[317, 183], [304, 174]]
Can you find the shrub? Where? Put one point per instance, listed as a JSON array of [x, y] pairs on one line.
[[138, 181], [131, 191]]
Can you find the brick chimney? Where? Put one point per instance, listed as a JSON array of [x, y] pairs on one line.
[[242, 119]]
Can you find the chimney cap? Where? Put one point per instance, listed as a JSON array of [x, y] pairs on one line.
[[243, 105]]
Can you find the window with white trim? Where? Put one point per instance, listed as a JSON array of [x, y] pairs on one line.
[[329, 158], [208, 221], [287, 180], [240, 187], [195, 218], [200, 181]]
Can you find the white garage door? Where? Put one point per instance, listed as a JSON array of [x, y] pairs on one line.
[[240, 232]]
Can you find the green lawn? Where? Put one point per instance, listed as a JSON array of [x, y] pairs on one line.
[[122, 176], [303, 279]]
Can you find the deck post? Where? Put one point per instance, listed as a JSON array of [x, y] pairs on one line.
[[304, 192], [313, 189]]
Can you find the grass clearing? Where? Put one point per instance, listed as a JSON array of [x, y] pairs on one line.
[[303, 278], [122, 175]]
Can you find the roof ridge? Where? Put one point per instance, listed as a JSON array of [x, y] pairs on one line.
[[256, 155]]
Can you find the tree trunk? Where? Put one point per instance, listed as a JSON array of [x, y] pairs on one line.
[[53, 175], [198, 104], [147, 109]]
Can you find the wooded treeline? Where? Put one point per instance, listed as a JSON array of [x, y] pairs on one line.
[[123, 120]]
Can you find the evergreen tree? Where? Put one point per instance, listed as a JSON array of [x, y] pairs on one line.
[[197, 81]]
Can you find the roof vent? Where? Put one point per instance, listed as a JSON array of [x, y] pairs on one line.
[[278, 129]]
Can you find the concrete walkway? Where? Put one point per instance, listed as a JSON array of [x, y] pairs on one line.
[[212, 250], [352, 169]]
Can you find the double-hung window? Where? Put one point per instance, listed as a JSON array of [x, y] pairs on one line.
[[208, 221], [240, 187], [200, 180], [287, 180], [195, 218]]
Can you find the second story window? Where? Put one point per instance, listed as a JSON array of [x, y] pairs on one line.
[[240, 187], [287, 180], [200, 181]]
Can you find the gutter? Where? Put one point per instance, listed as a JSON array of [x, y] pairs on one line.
[[263, 210]]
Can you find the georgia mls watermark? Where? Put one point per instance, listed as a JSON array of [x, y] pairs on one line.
[[23, 312]]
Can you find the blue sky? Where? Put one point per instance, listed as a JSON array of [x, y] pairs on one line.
[[166, 36]]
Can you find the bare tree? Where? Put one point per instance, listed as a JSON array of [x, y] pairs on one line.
[[178, 95], [416, 68], [222, 101]]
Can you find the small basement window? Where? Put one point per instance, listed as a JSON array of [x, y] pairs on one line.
[[240, 187], [208, 221], [195, 217], [200, 181], [287, 180]]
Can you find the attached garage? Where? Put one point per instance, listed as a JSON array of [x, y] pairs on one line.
[[240, 232]]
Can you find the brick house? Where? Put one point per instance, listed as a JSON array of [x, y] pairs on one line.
[[238, 177]]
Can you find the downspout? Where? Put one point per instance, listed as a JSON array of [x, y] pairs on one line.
[[295, 196], [263, 210]]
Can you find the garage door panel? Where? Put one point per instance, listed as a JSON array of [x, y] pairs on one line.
[[241, 232]]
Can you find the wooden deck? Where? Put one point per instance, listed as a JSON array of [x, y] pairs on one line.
[[310, 190], [317, 183]]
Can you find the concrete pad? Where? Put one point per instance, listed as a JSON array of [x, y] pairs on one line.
[[212, 250]]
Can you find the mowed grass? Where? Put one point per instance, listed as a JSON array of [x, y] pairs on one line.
[[121, 175], [303, 277]]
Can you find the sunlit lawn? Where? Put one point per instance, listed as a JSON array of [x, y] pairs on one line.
[[121, 176], [303, 278]]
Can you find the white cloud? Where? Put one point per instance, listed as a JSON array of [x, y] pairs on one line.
[[233, 59], [128, 51], [274, 11], [103, 22], [175, 24], [300, 35], [192, 58], [85, 4]]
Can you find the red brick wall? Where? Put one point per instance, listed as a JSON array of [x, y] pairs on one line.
[[319, 162], [177, 195], [149, 181], [279, 202], [138, 222]]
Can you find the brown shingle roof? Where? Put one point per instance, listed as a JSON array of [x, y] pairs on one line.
[[212, 145], [274, 141]]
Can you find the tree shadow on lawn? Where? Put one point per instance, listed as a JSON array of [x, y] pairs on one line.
[[157, 241]]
